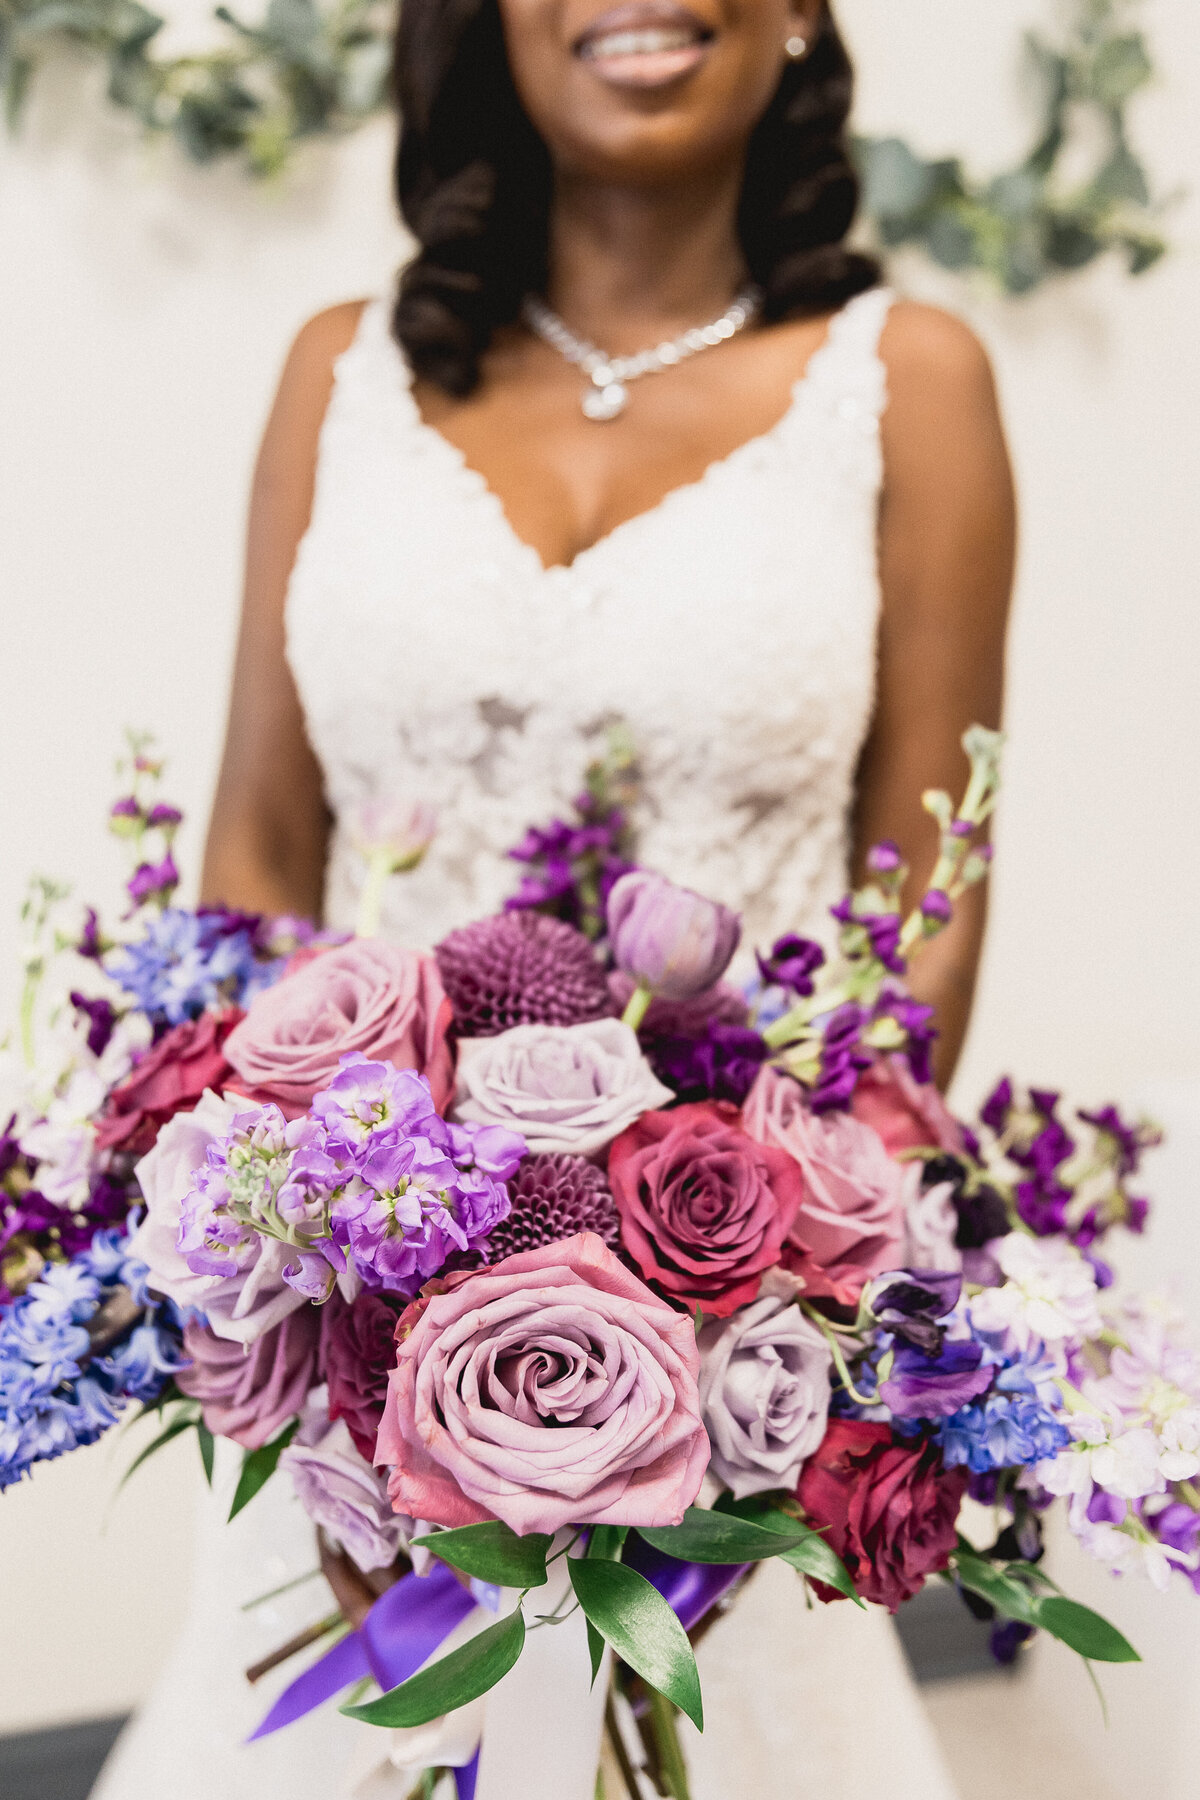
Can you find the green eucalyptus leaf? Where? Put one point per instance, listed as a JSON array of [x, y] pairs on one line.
[[492, 1552], [721, 1537], [1083, 1630], [635, 1619], [204, 1439], [258, 1466], [453, 1681], [181, 1423]]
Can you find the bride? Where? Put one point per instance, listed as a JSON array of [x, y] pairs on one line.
[[639, 438]]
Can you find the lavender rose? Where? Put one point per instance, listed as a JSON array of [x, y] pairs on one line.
[[850, 1223], [551, 1389], [562, 1087], [764, 1391], [249, 1392], [239, 1306], [341, 1493], [672, 941], [367, 996]]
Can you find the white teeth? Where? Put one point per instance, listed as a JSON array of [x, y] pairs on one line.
[[651, 41]]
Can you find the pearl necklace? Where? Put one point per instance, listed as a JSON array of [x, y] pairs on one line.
[[607, 394]]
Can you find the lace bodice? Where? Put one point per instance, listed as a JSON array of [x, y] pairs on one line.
[[732, 627]]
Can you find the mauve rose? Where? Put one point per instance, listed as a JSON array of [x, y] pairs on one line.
[[248, 1392], [565, 1088], [669, 939], [239, 1307], [850, 1222], [704, 1208], [907, 1114], [358, 1351], [370, 996], [888, 1508], [341, 1493], [764, 1393], [169, 1079], [550, 1390]]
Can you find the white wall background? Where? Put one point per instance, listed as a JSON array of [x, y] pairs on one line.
[[144, 310]]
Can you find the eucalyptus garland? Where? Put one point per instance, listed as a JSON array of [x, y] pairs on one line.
[[316, 68]]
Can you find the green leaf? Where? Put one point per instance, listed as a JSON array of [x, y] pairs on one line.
[[1083, 1630], [1010, 1597], [720, 1537], [204, 1439], [811, 1556], [258, 1466], [642, 1629], [164, 1437], [453, 1681], [492, 1552], [607, 1542], [595, 1645]]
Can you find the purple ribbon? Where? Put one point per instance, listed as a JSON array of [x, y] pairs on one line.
[[689, 1589]]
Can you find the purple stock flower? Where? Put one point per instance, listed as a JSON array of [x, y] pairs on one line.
[[1131, 1141], [884, 858], [163, 817], [125, 808], [936, 907], [842, 1058], [718, 1064], [792, 964], [996, 1108], [151, 881], [882, 932], [101, 1016], [90, 944], [916, 1021]]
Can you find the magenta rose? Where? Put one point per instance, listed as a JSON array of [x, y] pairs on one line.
[[549, 1390], [889, 1508], [369, 996], [850, 1223], [169, 1079], [907, 1114], [358, 1352], [249, 1392], [705, 1210]]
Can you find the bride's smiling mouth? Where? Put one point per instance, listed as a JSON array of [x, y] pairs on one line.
[[644, 45]]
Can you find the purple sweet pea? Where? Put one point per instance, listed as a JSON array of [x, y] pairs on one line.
[[933, 1387], [910, 1303], [670, 940]]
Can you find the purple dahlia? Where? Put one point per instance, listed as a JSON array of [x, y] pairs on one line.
[[553, 1197], [521, 969]]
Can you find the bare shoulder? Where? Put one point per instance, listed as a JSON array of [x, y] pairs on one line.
[[934, 361], [315, 349]]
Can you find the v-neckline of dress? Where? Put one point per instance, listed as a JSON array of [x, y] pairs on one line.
[[476, 484]]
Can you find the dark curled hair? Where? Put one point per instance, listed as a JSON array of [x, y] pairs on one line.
[[473, 180]]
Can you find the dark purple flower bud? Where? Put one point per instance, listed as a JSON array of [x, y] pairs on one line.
[[936, 907], [885, 858], [101, 1016], [152, 880], [911, 1302], [1006, 1639], [90, 942], [792, 964], [671, 940], [163, 817], [961, 828]]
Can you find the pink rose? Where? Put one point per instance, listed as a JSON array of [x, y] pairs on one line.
[[169, 1079], [367, 995], [704, 1208], [249, 1392], [551, 1389], [850, 1224], [908, 1115]]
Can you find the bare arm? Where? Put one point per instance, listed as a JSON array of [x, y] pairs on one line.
[[269, 831], [947, 537]]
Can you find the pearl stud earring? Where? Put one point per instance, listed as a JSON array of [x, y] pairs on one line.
[[796, 46]]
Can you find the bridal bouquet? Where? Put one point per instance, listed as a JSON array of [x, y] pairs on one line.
[[564, 1279]]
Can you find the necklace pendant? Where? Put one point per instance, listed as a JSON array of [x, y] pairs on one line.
[[604, 401]]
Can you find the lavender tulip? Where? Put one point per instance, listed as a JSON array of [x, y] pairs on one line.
[[673, 942]]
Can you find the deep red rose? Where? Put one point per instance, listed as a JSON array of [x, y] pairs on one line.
[[358, 1351], [168, 1080], [888, 1507], [704, 1208]]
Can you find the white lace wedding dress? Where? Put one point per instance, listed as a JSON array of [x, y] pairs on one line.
[[733, 628]]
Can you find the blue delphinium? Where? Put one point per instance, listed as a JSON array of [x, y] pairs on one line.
[[188, 961], [55, 1393]]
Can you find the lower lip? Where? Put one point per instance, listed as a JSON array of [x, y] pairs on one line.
[[658, 68]]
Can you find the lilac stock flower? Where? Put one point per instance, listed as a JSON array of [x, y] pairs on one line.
[[996, 1108], [881, 932], [912, 1303], [670, 940], [792, 963]]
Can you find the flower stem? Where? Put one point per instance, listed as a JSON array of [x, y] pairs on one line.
[[670, 1751], [635, 1008], [370, 903], [612, 1727], [839, 1360]]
